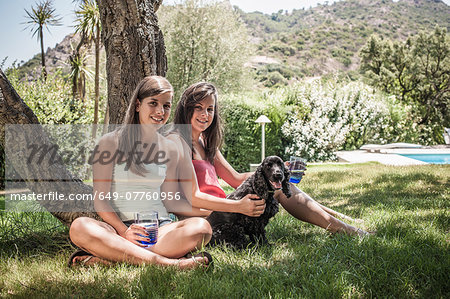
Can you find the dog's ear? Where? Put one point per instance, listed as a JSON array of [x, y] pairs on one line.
[[285, 186], [259, 183]]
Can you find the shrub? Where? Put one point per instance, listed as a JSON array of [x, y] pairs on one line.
[[263, 74], [52, 100], [345, 61], [335, 116], [271, 78], [242, 144]]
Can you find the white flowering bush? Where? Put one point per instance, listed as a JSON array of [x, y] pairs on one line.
[[312, 120], [329, 116]]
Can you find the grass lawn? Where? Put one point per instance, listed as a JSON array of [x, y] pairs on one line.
[[408, 257]]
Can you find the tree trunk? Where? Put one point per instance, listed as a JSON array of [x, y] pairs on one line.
[[72, 59], [82, 86], [44, 71], [106, 120], [74, 85], [97, 73], [134, 49], [96, 80], [13, 110]]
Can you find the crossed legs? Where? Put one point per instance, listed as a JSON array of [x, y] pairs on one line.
[[174, 241], [303, 207]]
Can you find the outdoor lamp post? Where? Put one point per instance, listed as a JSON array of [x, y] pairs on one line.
[[263, 120]]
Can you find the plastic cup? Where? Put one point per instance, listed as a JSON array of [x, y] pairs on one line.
[[149, 220], [297, 169]]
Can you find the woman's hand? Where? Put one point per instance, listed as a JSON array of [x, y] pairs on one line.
[[133, 234], [251, 207]]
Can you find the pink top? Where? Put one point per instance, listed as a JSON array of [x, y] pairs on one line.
[[207, 178]]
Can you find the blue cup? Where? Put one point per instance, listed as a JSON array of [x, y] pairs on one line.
[[297, 169], [149, 220], [295, 179]]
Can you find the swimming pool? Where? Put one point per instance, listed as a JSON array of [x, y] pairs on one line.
[[430, 158]]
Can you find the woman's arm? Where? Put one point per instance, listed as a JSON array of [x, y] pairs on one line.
[[227, 172], [171, 195], [102, 178], [189, 187], [180, 176]]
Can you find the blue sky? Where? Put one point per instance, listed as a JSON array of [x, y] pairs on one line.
[[18, 45]]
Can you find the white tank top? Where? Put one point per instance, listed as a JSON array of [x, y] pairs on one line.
[[137, 193]]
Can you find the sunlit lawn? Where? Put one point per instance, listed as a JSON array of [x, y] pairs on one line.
[[408, 257]]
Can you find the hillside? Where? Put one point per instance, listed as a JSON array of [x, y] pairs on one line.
[[327, 38], [56, 58], [311, 42]]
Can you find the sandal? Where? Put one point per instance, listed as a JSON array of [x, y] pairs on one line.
[[79, 252], [209, 264]]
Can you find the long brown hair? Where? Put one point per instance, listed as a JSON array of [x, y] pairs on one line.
[[129, 134], [212, 136]]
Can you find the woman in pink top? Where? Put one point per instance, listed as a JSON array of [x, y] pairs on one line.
[[207, 178], [198, 107]]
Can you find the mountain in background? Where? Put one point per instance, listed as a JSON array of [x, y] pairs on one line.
[[310, 42], [55, 58], [327, 38]]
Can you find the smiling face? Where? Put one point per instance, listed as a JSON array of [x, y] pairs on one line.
[[154, 109], [203, 114]]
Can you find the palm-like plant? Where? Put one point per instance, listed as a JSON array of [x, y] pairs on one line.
[[88, 24], [79, 73], [38, 18]]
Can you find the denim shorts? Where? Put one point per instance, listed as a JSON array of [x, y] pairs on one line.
[[161, 222]]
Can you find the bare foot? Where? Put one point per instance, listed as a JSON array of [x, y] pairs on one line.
[[362, 233], [89, 260], [193, 262], [347, 218], [354, 231]]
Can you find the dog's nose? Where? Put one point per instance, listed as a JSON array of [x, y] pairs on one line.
[[278, 174]]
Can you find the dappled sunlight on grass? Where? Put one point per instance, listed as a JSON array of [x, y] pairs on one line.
[[411, 187], [408, 257]]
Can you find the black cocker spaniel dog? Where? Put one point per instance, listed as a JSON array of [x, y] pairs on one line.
[[238, 230]]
